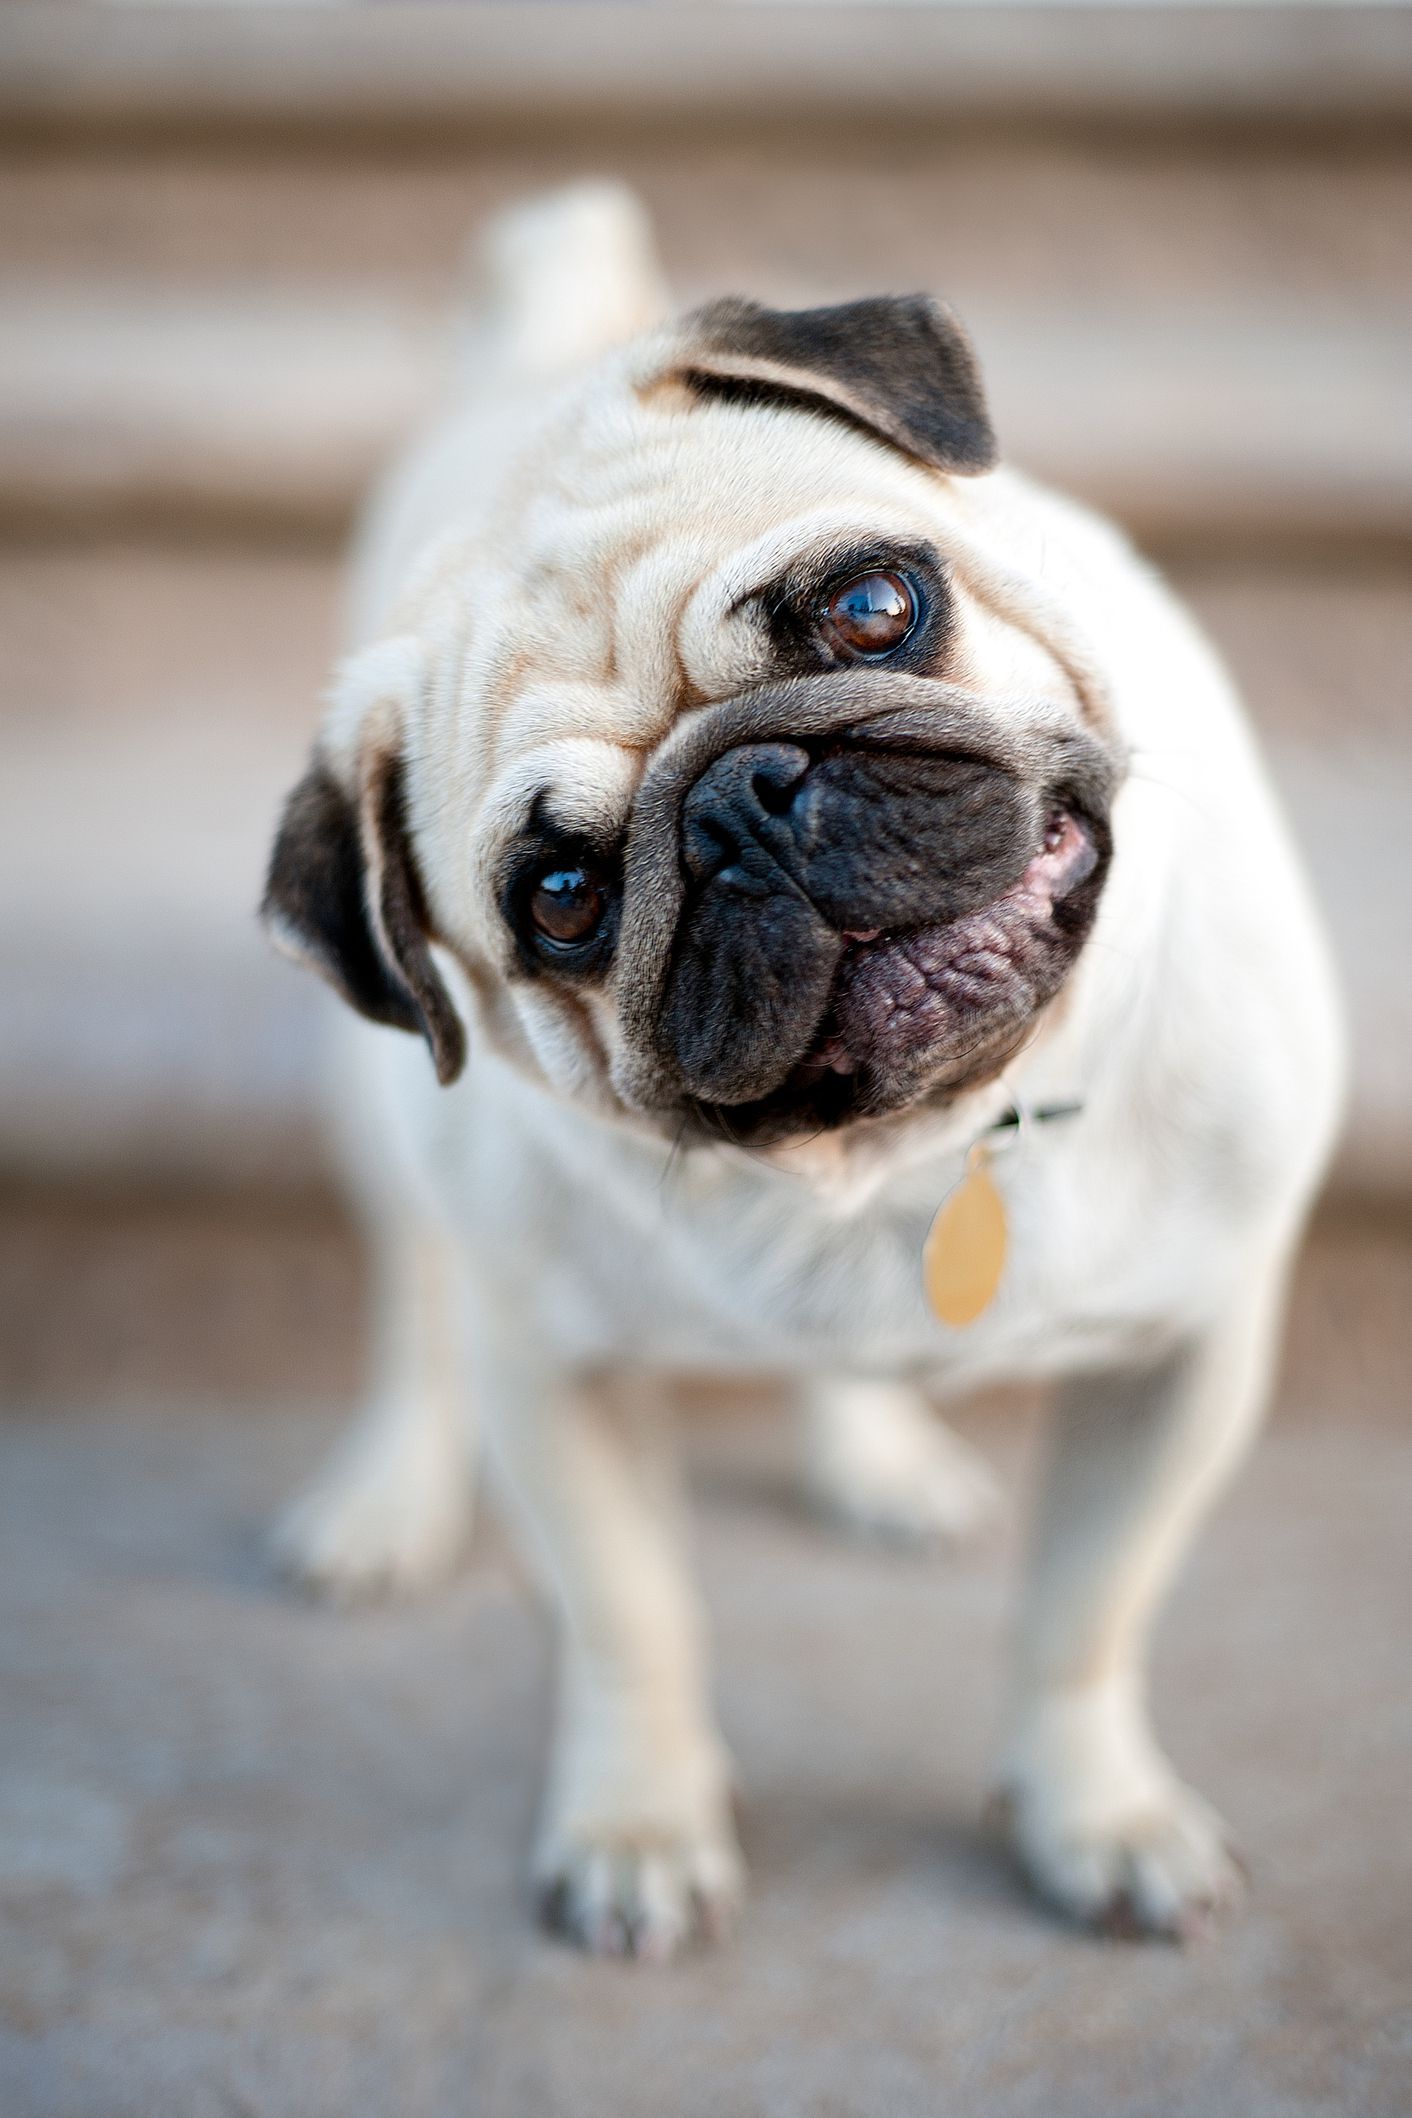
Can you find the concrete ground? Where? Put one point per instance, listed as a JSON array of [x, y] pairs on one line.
[[257, 1857]]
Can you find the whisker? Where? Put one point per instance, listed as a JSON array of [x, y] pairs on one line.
[[676, 1156]]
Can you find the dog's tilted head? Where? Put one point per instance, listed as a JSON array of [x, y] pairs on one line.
[[749, 791]]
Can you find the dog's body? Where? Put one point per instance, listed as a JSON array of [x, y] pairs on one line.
[[558, 1229]]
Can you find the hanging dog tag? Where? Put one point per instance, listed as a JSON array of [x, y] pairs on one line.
[[964, 1254]]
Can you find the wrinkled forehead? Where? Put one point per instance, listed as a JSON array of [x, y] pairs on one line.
[[627, 555]]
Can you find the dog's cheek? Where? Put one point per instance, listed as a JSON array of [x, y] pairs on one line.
[[747, 992], [997, 658], [557, 1039]]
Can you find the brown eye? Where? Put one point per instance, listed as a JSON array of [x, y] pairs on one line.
[[566, 906], [869, 615]]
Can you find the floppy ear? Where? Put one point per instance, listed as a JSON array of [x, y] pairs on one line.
[[898, 365], [343, 895]]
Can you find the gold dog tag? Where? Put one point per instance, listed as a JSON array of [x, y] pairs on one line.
[[964, 1254]]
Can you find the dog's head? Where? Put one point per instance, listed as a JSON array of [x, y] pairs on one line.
[[743, 786]]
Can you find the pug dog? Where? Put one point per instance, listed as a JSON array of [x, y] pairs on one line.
[[773, 820]]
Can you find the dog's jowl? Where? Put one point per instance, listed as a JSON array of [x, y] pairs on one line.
[[769, 814]]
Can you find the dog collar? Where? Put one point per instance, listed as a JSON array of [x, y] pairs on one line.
[[963, 1257]]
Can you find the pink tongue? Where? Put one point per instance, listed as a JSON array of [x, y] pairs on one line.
[[860, 934]]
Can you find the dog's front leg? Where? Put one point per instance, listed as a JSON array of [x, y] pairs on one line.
[[637, 1851], [1098, 1817], [390, 1511]]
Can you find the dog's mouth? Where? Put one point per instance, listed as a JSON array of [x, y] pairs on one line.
[[921, 1014]]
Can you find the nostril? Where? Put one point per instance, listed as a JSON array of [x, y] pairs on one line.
[[777, 778], [726, 809], [707, 845]]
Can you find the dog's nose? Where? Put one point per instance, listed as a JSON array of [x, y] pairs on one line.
[[869, 838], [738, 804]]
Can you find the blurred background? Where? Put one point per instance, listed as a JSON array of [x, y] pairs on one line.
[[229, 244]]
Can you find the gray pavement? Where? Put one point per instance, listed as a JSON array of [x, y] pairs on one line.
[[260, 1858]]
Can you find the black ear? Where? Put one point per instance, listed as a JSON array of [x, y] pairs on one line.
[[900, 366], [344, 896]]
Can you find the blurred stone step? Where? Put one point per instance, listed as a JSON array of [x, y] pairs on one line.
[[124, 406], [989, 216], [136, 407], [314, 70], [155, 706]]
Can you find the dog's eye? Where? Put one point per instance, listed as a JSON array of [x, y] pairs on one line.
[[567, 906], [868, 615]]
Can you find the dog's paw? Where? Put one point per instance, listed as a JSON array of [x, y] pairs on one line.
[[382, 1519], [645, 1892], [1162, 1867], [899, 1476]]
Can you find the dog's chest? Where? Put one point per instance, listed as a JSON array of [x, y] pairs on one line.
[[725, 1269]]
